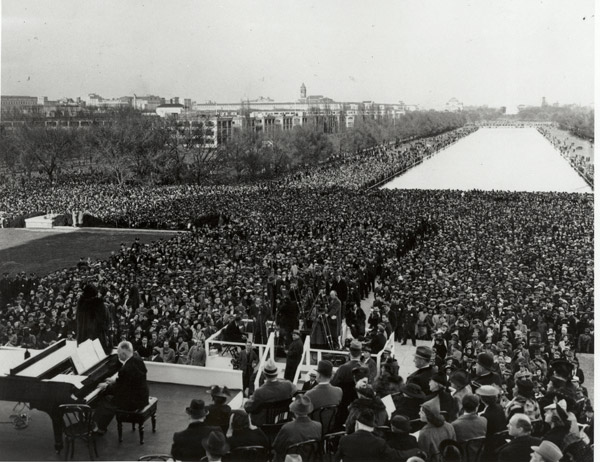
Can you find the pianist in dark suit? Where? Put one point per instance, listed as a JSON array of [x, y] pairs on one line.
[[128, 391]]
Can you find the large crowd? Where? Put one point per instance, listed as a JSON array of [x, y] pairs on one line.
[[500, 283], [568, 149]]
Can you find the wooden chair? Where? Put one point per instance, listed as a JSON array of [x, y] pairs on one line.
[[78, 424], [473, 449], [331, 441], [247, 454], [139, 416], [276, 414], [309, 450], [326, 415]]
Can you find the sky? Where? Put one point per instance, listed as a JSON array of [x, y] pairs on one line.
[[492, 52]]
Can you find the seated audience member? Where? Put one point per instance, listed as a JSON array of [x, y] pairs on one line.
[[240, 434], [187, 444], [324, 394], [438, 384], [311, 381], [215, 446], [362, 444], [301, 429], [218, 411], [129, 391], [271, 391], [546, 452], [494, 414], [399, 437], [519, 448], [470, 425], [435, 431], [409, 403], [366, 400], [232, 332]]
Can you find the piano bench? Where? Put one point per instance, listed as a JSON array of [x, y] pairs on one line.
[[139, 416]]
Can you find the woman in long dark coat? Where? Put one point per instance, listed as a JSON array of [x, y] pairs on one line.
[[93, 319]]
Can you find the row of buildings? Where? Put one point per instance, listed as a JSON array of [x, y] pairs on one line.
[[261, 115]]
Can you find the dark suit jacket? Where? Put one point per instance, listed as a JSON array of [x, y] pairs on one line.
[[469, 426], [324, 394], [248, 437], [130, 390], [517, 449], [363, 446], [421, 377], [187, 444]]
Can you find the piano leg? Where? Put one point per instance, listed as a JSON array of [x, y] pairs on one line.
[[57, 426]]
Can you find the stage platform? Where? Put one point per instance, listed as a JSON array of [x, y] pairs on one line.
[[42, 222], [36, 442]]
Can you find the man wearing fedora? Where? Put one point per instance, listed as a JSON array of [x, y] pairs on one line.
[[362, 445], [311, 382], [301, 429], [424, 371], [273, 390], [494, 414], [325, 394], [187, 444], [546, 452], [215, 446], [519, 448], [485, 372], [293, 356], [344, 379]]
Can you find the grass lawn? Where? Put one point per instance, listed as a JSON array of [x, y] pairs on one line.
[[43, 252]]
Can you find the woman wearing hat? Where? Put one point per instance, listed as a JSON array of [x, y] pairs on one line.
[[409, 402], [524, 401], [218, 411], [366, 400], [439, 393], [240, 434], [435, 431]]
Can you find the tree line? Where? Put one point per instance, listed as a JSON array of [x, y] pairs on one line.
[[138, 148]]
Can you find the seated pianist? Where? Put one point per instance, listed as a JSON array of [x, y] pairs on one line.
[[129, 391]]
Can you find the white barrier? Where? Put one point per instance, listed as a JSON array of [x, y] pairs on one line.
[[193, 375]]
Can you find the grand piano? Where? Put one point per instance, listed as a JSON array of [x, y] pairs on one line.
[[63, 373]]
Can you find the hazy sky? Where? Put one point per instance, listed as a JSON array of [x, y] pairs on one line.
[[495, 52]]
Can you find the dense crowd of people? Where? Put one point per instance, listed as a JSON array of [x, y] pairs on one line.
[[500, 283], [567, 148], [179, 207]]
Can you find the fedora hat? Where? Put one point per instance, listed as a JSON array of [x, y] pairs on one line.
[[486, 361], [302, 405], [549, 451], [215, 444], [460, 379], [196, 409], [424, 352], [355, 345], [412, 390], [270, 369]]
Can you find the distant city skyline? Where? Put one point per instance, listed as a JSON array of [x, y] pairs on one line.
[[482, 53]]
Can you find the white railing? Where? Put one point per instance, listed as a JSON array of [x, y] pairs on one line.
[[304, 365], [268, 353], [389, 343], [213, 341]]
